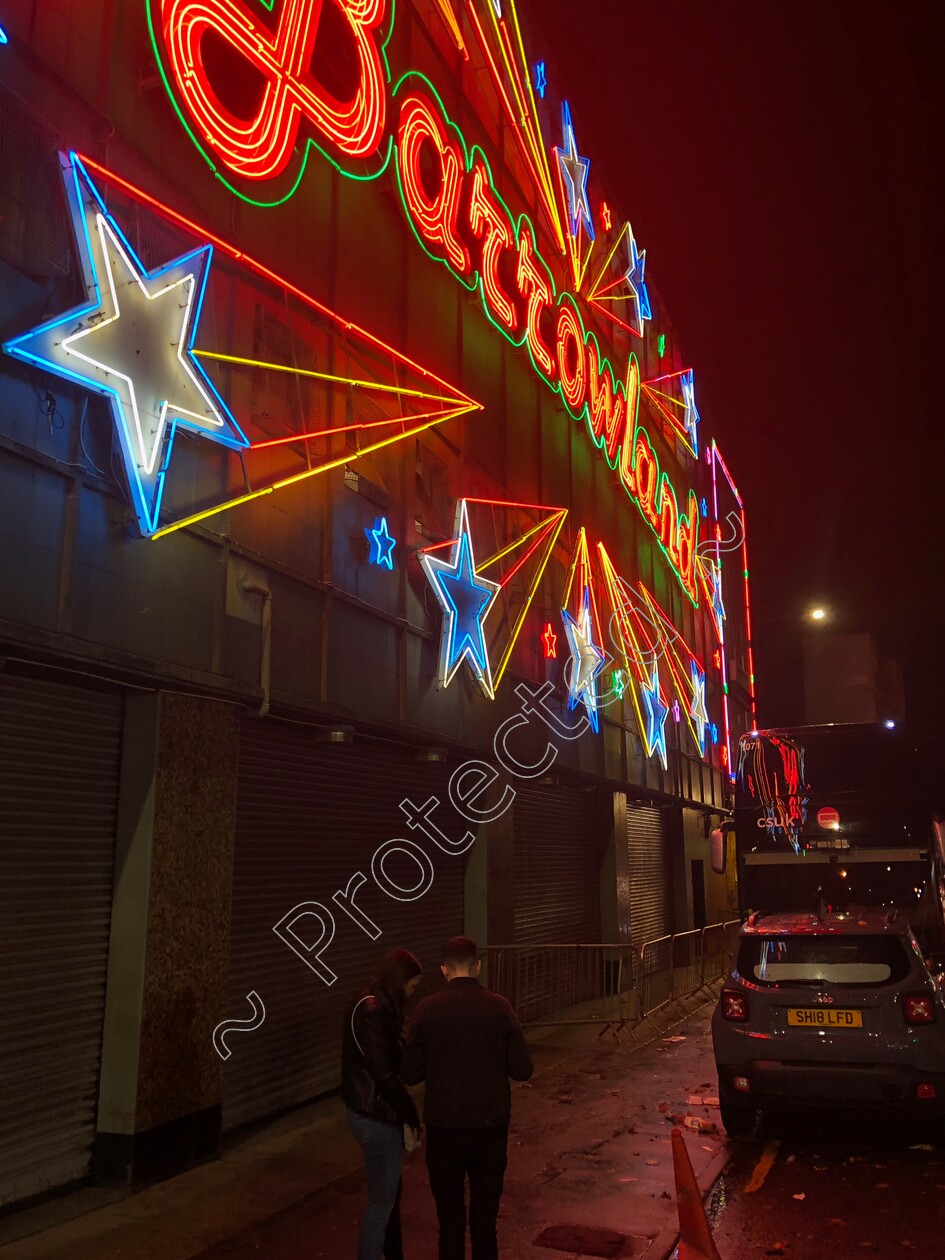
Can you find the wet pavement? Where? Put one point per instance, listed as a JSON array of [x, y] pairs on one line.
[[830, 1184], [589, 1160], [589, 1149]]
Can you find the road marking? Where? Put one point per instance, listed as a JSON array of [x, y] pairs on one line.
[[763, 1167]]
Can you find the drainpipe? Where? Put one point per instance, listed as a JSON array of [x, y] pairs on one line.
[[265, 638]]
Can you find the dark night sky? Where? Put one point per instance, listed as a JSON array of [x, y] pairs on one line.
[[780, 164]]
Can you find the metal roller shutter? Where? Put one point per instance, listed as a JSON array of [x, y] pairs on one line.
[[310, 815], [60, 752], [557, 867], [651, 913]]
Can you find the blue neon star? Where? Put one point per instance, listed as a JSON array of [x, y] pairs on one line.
[[541, 79], [382, 543], [575, 170], [3, 36], [656, 712], [692, 417], [636, 268], [697, 710], [132, 340], [465, 598], [718, 608], [587, 659]]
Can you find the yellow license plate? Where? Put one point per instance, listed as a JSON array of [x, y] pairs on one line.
[[809, 1017]]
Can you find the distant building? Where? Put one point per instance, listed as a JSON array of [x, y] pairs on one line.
[[846, 680]]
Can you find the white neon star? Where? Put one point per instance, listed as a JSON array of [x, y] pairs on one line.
[[132, 341], [587, 659], [145, 322]]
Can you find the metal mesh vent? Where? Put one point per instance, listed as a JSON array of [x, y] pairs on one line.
[[155, 241], [34, 229]]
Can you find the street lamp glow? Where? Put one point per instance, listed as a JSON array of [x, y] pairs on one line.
[[818, 614]]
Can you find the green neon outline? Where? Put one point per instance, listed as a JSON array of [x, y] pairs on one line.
[[661, 478], [310, 143], [515, 245], [474, 285], [617, 387]]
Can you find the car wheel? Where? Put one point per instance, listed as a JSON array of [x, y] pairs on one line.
[[737, 1121]]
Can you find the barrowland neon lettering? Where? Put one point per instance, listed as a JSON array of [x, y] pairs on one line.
[[461, 221], [350, 133]]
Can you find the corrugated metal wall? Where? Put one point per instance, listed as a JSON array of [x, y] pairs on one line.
[[309, 816], [60, 753], [651, 906], [557, 866]]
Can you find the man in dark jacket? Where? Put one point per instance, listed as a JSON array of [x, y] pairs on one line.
[[465, 1042]]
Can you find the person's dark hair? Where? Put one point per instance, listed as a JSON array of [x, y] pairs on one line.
[[396, 969], [459, 951]]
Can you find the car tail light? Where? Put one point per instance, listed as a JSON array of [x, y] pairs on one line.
[[925, 1091], [743, 1084], [919, 1009], [734, 1006]]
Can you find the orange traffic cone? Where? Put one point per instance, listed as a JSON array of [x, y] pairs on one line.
[[695, 1237]]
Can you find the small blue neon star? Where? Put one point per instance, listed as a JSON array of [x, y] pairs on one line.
[[718, 608], [692, 417], [575, 170], [634, 278], [698, 711], [656, 712], [382, 543], [541, 79]]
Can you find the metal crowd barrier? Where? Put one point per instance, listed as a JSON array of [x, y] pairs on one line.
[[678, 966], [616, 986], [566, 984]]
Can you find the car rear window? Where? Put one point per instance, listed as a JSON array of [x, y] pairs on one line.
[[859, 960]]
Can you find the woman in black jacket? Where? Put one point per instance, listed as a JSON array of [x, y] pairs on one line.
[[376, 1099]]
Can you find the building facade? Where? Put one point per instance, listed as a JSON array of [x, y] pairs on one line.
[[368, 571]]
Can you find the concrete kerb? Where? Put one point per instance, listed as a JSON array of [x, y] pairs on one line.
[[664, 1245]]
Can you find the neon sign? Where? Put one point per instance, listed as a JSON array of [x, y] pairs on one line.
[[146, 432], [132, 340], [262, 146], [449, 197], [465, 597], [382, 544], [461, 221], [462, 589]]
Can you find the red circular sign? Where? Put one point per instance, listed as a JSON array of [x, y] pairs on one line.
[[828, 818]]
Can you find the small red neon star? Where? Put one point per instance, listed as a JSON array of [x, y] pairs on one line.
[[605, 215], [718, 660], [550, 640]]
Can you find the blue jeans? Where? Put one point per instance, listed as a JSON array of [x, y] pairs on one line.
[[383, 1155]]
